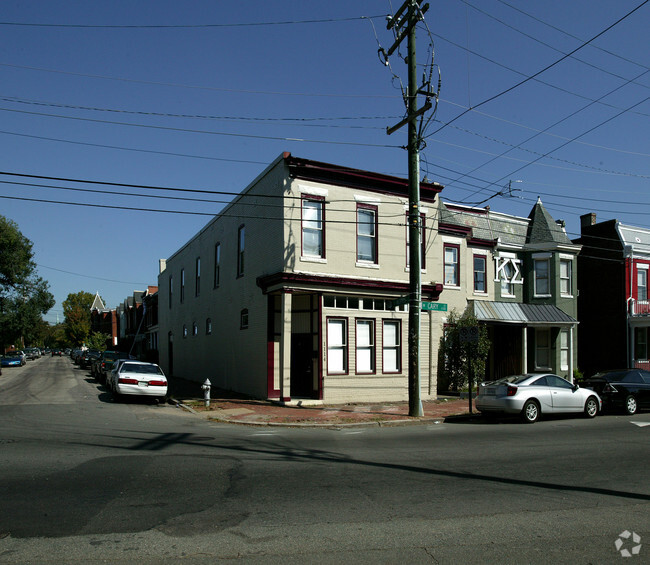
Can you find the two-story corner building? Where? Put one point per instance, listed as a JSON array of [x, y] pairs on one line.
[[288, 293], [613, 305], [524, 286]]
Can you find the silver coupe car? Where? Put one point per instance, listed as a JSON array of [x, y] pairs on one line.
[[532, 395]]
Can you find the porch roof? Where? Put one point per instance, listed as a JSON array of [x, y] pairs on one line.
[[524, 314]]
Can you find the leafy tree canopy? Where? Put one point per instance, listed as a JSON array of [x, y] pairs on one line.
[[76, 309], [24, 297]]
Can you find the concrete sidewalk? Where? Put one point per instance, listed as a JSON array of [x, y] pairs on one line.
[[237, 409]]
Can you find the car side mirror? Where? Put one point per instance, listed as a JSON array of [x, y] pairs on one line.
[[576, 386]]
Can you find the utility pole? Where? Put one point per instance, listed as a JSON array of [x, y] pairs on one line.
[[406, 29]]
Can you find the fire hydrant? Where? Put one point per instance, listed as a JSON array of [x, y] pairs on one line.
[[206, 392]]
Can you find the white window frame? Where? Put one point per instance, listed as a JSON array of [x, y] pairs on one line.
[[564, 350], [641, 273], [365, 354], [566, 280], [476, 256]]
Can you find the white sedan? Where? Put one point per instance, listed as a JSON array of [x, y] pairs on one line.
[[532, 395], [138, 378]]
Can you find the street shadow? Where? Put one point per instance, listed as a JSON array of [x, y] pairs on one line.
[[158, 442]]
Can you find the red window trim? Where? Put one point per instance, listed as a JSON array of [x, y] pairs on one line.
[[313, 198], [375, 209], [347, 343], [444, 263], [400, 348]]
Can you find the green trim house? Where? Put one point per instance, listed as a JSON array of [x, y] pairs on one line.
[[532, 315]]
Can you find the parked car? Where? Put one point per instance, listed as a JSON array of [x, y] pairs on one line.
[[532, 395], [625, 389], [32, 353], [105, 364], [13, 359], [86, 359], [138, 378]]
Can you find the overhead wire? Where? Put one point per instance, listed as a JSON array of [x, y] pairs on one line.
[[541, 71]]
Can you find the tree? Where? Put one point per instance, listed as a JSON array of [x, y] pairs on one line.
[[24, 297], [459, 359], [76, 309], [97, 340]]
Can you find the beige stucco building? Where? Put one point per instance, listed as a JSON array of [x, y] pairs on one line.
[[289, 292]]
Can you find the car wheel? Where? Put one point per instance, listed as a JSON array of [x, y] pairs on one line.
[[530, 412], [591, 407], [630, 405]]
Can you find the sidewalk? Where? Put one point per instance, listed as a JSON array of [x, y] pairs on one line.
[[237, 409]]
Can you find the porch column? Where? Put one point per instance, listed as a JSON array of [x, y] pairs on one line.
[[285, 348], [524, 353]]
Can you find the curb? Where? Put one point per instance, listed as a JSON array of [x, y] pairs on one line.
[[325, 425]]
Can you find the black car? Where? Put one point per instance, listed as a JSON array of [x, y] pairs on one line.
[[625, 389]]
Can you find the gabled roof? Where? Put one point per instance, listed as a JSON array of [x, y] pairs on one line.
[[97, 303], [636, 237]]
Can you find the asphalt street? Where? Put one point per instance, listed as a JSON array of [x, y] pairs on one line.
[[86, 480]]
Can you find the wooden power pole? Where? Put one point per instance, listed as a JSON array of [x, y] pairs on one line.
[[405, 27]]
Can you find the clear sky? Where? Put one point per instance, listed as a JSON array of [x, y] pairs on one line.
[[202, 95]]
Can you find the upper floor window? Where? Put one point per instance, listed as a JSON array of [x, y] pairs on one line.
[[241, 238], [507, 272], [195, 329], [313, 226], [217, 264], [367, 233], [243, 319], [197, 284], [452, 266], [423, 255], [542, 287], [566, 277], [480, 278], [208, 326], [182, 285], [642, 284], [171, 289]]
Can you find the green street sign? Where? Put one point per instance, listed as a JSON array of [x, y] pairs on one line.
[[401, 301], [434, 306]]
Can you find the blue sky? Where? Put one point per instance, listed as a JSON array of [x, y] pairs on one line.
[[202, 95]]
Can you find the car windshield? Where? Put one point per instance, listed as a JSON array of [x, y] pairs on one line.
[[144, 369]]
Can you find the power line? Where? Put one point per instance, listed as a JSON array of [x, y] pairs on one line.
[[190, 26], [546, 68], [205, 132], [292, 121]]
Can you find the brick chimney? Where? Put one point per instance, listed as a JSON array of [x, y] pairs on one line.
[[587, 220]]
